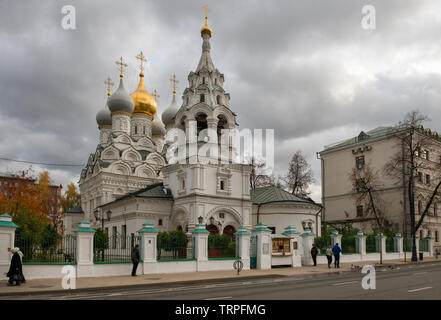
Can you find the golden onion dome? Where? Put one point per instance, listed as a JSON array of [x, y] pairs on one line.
[[145, 103], [206, 29]]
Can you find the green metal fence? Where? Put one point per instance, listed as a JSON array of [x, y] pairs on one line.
[[173, 245], [53, 250], [348, 244], [322, 244], [370, 244], [390, 245], [114, 249], [407, 244], [424, 245], [221, 247]]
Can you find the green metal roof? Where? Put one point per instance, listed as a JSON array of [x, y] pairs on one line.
[[273, 194], [76, 209], [156, 191]]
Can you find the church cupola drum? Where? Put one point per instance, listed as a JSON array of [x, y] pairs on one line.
[[121, 105]]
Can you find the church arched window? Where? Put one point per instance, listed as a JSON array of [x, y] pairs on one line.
[[160, 222], [203, 80], [218, 99], [202, 97], [136, 129], [143, 129]]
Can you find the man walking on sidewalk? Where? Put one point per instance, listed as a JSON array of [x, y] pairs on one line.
[[336, 251], [135, 259], [314, 253]]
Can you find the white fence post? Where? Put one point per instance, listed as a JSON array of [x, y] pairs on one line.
[[148, 248], [307, 240], [430, 245], [398, 244], [200, 242], [84, 247], [264, 246], [360, 244], [7, 236], [243, 237], [336, 238], [380, 243]]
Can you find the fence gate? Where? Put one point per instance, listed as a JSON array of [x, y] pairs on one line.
[[253, 252]]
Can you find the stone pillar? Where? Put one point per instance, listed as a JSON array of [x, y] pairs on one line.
[[307, 240], [84, 243], [294, 235], [148, 250], [380, 243], [398, 244], [360, 243], [189, 245], [264, 246], [243, 237], [200, 242], [336, 238], [7, 236]]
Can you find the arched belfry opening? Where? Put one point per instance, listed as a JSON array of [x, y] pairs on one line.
[[201, 122]]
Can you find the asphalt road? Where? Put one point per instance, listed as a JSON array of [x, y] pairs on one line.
[[404, 282]]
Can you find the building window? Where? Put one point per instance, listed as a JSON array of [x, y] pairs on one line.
[[218, 99], [221, 215], [435, 209], [436, 236], [143, 129], [273, 230], [183, 183], [203, 80], [359, 162], [222, 185], [124, 235], [215, 81], [420, 177], [420, 207], [136, 129], [428, 179], [202, 99], [427, 154], [421, 234], [359, 211], [114, 231], [160, 222]]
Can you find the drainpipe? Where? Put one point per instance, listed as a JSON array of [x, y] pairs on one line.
[[258, 209]]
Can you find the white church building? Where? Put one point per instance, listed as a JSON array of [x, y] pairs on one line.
[[128, 181]]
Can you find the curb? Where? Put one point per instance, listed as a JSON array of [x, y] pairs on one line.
[[144, 285], [212, 280]]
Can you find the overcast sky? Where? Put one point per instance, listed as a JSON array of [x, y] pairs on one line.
[[305, 68]]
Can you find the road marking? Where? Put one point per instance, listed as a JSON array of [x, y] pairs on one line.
[[343, 283], [219, 298], [417, 273], [420, 289]]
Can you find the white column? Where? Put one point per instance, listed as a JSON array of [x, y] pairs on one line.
[[7, 235], [200, 242], [398, 243], [336, 238], [264, 246], [243, 237], [417, 244], [360, 243], [148, 249], [380, 243], [307, 240], [295, 245], [84, 248]]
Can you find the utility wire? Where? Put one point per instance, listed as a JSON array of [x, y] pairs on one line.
[[43, 163]]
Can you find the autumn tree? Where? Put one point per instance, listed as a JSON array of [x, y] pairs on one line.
[[71, 198], [299, 176], [411, 162]]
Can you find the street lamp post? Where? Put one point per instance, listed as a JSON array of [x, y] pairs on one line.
[[100, 217]]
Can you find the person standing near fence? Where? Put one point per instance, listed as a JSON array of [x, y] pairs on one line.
[[22, 278], [329, 256], [314, 253], [15, 269], [135, 259], [336, 251]]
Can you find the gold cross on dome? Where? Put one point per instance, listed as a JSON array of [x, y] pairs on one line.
[[174, 81], [155, 94], [109, 85], [122, 65], [141, 59], [206, 11]]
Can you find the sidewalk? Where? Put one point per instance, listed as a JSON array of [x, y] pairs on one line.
[[54, 285]]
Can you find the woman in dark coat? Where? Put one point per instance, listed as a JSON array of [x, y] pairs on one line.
[[15, 269]]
